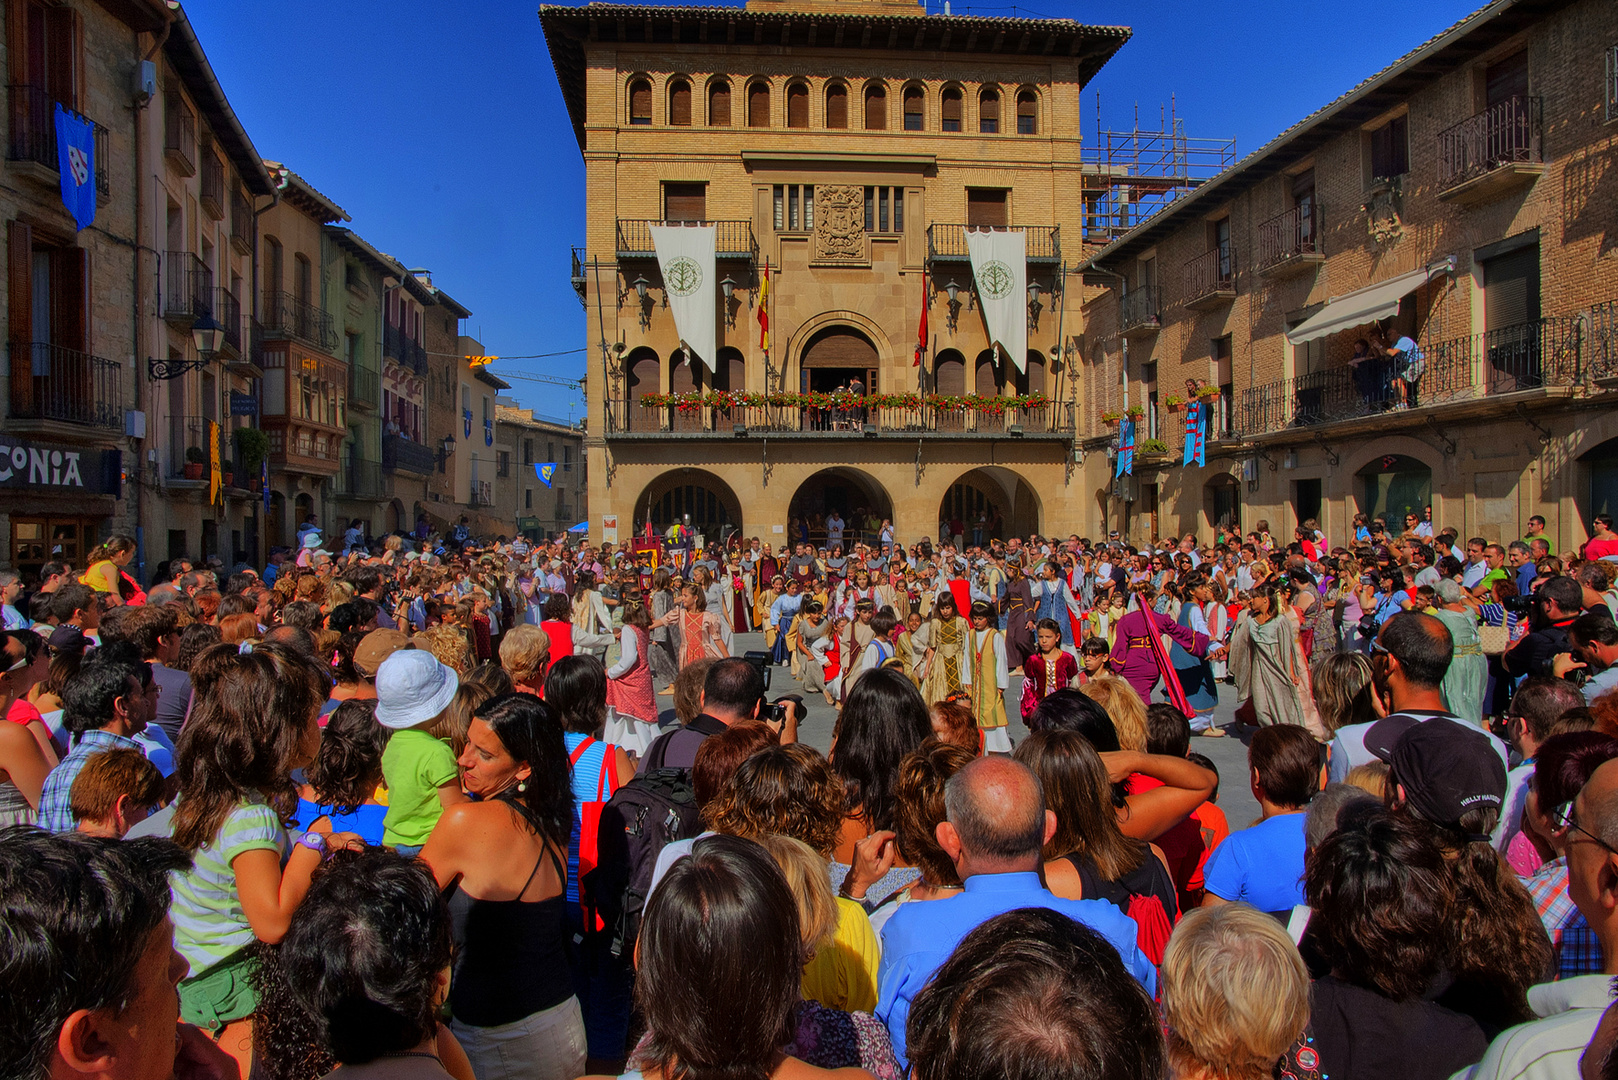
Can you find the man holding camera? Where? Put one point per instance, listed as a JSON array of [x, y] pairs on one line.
[[1592, 658], [1556, 605]]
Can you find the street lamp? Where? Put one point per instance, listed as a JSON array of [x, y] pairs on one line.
[[1033, 305], [953, 291], [640, 283], [207, 334]]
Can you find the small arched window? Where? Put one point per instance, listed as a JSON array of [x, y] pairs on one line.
[[837, 106], [640, 103], [914, 101], [1027, 113], [989, 112], [797, 106], [719, 104], [758, 104], [876, 107], [951, 103], [680, 103]]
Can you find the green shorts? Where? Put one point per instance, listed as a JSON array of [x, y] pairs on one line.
[[220, 994]]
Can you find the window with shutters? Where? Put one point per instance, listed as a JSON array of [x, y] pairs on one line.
[[950, 108], [640, 103], [1027, 113], [528, 451], [52, 374], [794, 207], [685, 202], [987, 207], [502, 462], [680, 103], [758, 104], [989, 112], [719, 104], [837, 106], [876, 107], [1389, 149], [915, 100], [884, 209], [1505, 79], [527, 498], [797, 106], [1511, 288], [1612, 83], [567, 458], [45, 57]]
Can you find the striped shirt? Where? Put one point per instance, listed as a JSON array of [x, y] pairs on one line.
[[209, 924]]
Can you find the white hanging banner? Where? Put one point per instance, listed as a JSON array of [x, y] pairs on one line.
[[1000, 267], [685, 255]]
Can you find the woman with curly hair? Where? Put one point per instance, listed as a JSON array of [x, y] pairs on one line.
[[341, 785], [503, 860], [252, 724], [919, 807]]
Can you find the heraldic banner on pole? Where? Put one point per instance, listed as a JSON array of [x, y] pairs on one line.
[[1000, 268], [685, 255]]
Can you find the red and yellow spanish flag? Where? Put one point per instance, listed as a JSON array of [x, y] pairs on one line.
[[921, 334], [764, 310]]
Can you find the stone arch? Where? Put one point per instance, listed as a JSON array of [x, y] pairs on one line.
[[992, 491], [1392, 485], [704, 495], [1356, 460], [396, 519], [643, 374], [1222, 501], [845, 489], [798, 343]]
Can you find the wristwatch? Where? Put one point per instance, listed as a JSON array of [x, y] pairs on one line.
[[315, 842]]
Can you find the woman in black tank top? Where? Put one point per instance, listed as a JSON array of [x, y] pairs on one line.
[[502, 862]]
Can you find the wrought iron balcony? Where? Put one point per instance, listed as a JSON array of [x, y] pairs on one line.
[[579, 283], [364, 387], [1290, 240], [179, 134], [358, 478], [1486, 155], [401, 455], [633, 419], [187, 446], [187, 288], [211, 189], [732, 239], [49, 382], [227, 313], [947, 243], [33, 134], [242, 223], [286, 316], [1210, 279], [1140, 311]]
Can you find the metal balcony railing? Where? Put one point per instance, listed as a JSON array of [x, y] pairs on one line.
[[400, 454], [732, 239], [187, 286], [359, 478], [227, 313], [211, 188], [577, 277], [364, 387], [1288, 236], [948, 242], [1141, 308], [242, 224], [1529, 356], [33, 134], [1509, 133], [180, 133], [1603, 340], [286, 316], [1210, 273], [187, 439], [49, 382], [630, 417]]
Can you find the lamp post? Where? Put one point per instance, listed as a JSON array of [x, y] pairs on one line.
[[207, 335]]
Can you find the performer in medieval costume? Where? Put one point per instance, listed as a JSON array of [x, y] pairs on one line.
[[1054, 600], [814, 640], [989, 679], [1266, 659], [946, 666], [853, 639], [665, 652], [701, 630], [715, 593], [1138, 655], [632, 723], [1196, 672], [761, 608], [740, 595], [1050, 668], [912, 646], [783, 610], [1020, 615]]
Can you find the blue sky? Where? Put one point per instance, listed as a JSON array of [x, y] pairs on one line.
[[440, 128]]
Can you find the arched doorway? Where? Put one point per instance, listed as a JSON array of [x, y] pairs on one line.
[[708, 500], [302, 506], [641, 371], [949, 380], [730, 374], [834, 359], [989, 503], [856, 496], [1222, 502], [1394, 485], [685, 377], [1600, 495], [396, 521]]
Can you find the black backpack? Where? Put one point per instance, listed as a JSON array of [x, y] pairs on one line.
[[643, 816]]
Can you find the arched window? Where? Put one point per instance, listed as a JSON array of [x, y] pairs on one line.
[[680, 103], [797, 106], [876, 107], [719, 104], [989, 112], [640, 103], [914, 101], [1027, 113], [837, 106], [951, 103], [758, 104]]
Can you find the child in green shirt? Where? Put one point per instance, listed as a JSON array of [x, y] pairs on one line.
[[413, 689]]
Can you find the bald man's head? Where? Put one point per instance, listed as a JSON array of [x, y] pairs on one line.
[[997, 808]]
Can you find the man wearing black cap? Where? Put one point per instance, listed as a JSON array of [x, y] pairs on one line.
[[1409, 657]]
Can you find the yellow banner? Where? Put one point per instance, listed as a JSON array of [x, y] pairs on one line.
[[213, 462]]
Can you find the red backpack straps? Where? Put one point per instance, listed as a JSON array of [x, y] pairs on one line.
[[608, 782], [578, 752]]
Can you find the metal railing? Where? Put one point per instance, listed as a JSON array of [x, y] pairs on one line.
[[413, 354], [1603, 340], [358, 477], [187, 286], [1211, 272], [399, 453], [284, 315], [49, 382], [948, 242], [211, 189], [732, 239], [1142, 307], [242, 224], [187, 433], [626, 417], [577, 276], [1506, 134], [1289, 236], [364, 387], [227, 313], [1529, 356], [180, 133], [33, 133]]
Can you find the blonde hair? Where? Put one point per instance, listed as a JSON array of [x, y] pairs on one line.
[[1371, 777], [810, 881], [524, 652], [1235, 993], [1124, 708]]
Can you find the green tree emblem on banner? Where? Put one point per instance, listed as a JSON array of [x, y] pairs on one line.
[[996, 280], [684, 276]]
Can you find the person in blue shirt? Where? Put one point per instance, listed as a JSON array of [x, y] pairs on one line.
[[781, 614], [341, 784], [1262, 866], [996, 825]]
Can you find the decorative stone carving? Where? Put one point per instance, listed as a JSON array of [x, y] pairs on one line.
[[839, 224], [1384, 211]]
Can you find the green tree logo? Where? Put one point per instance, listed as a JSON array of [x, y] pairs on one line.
[[996, 280], [684, 276]]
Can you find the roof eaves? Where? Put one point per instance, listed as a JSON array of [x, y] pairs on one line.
[[443, 299], [185, 53], [357, 244], [483, 374], [308, 198]]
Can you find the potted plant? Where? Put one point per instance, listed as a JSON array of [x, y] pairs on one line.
[[1151, 446], [1135, 412], [227, 473], [1174, 403], [252, 447], [195, 462], [1207, 392], [1111, 418]]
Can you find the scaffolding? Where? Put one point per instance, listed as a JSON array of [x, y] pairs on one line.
[[1131, 175]]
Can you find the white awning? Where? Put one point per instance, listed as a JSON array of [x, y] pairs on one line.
[[1357, 308]]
